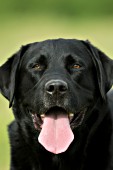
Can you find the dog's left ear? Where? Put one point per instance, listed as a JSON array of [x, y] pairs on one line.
[[104, 68], [8, 75]]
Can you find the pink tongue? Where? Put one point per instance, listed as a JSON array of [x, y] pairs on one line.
[[56, 134]]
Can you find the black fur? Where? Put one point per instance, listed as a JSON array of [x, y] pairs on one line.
[[23, 84]]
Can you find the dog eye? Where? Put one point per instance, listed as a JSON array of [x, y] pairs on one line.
[[76, 66], [38, 67]]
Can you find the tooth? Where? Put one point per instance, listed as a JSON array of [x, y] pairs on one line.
[[71, 115], [42, 115]]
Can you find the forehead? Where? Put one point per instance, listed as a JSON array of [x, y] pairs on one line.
[[58, 49]]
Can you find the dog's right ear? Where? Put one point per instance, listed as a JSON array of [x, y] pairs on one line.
[[8, 74]]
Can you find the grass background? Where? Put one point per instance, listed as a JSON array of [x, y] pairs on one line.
[[17, 29]]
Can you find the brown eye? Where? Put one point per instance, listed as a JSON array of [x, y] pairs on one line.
[[76, 66], [38, 67]]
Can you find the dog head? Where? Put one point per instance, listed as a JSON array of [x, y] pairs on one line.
[[56, 82]]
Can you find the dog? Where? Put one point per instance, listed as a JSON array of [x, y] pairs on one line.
[[60, 93]]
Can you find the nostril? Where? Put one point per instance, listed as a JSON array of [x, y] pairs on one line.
[[63, 88], [50, 88]]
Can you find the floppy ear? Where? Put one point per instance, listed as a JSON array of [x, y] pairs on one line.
[[8, 75], [104, 68]]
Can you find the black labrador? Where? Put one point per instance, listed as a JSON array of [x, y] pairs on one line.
[[58, 90]]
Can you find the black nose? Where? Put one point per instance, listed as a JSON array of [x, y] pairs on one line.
[[56, 86]]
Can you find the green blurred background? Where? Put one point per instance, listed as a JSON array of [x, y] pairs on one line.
[[24, 21]]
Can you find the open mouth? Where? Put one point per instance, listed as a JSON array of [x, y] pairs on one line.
[[55, 128], [75, 119]]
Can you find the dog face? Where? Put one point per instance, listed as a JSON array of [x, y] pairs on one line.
[[54, 81], [53, 74]]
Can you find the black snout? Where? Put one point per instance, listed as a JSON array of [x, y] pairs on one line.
[[56, 87]]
